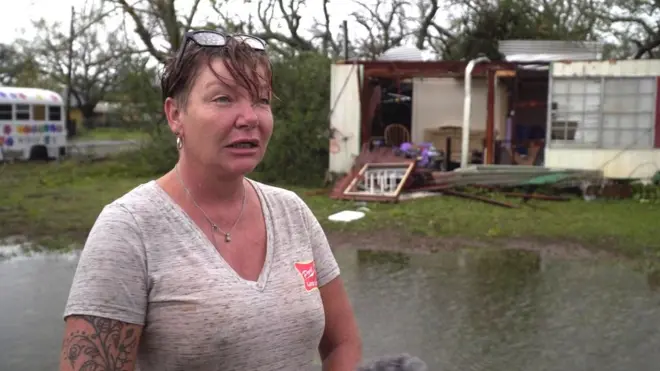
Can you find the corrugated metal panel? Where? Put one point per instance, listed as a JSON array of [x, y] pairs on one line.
[[402, 53], [552, 49], [550, 58], [345, 116], [621, 68]]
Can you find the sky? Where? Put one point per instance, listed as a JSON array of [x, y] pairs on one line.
[[15, 21], [17, 17]]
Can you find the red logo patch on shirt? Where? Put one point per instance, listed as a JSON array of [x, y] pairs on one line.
[[307, 271]]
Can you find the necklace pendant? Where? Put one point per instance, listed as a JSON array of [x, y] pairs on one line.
[[215, 227], [227, 237]]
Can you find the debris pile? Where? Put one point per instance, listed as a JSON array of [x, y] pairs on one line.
[[394, 174]]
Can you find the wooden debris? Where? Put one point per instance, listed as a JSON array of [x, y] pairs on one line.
[[380, 180], [382, 175]]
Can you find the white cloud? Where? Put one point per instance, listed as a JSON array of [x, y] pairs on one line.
[[16, 21]]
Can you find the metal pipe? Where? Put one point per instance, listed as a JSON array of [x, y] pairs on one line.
[[490, 118], [465, 135]]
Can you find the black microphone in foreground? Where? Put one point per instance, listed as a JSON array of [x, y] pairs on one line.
[[401, 362]]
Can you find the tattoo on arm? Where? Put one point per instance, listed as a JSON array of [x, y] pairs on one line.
[[100, 344]]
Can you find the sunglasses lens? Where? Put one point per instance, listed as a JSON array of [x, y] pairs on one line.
[[217, 39], [251, 41], [209, 39]]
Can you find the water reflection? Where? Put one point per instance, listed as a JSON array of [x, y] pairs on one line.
[[505, 310], [502, 282], [653, 279], [33, 291], [391, 260], [502, 305], [466, 310]]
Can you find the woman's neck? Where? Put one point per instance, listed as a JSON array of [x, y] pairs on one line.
[[207, 188]]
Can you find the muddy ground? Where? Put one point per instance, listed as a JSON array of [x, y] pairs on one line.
[[390, 240], [393, 241]]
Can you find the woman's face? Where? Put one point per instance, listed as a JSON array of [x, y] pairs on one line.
[[222, 126]]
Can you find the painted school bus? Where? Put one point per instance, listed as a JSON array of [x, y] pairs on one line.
[[32, 124]]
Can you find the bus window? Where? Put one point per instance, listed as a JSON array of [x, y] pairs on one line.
[[54, 113], [39, 112], [6, 112], [22, 112]]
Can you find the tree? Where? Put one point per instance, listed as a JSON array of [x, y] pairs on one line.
[[99, 55], [478, 25], [159, 19], [299, 147], [636, 24], [19, 67], [303, 40]]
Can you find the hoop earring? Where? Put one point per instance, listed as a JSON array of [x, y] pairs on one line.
[[179, 142]]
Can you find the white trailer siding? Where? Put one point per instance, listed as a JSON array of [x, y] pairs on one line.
[[345, 116], [604, 117]]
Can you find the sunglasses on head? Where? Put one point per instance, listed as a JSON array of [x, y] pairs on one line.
[[206, 38]]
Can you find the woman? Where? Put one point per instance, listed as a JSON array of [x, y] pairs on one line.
[[204, 269]]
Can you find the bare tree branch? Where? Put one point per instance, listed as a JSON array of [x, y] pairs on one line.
[[99, 56], [158, 19], [385, 27]]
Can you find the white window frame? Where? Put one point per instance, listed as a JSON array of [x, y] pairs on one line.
[[601, 112]]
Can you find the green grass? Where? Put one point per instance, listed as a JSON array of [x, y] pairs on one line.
[[111, 134], [54, 203], [627, 227], [58, 203]]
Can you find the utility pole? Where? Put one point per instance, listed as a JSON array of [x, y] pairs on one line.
[[69, 66], [345, 27]]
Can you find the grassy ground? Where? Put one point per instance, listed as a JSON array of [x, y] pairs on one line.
[[627, 227], [111, 134], [57, 204]]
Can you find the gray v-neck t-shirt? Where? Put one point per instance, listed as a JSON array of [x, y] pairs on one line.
[[145, 262]]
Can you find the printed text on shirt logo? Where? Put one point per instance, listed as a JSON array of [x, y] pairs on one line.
[[307, 271]]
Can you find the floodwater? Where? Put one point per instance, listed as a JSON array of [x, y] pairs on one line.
[[460, 311]]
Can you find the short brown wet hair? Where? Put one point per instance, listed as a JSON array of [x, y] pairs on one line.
[[242, 62]]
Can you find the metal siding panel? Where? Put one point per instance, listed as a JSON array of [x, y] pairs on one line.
[[501, 111], [419, 107], [576, 50], [618, 68], [657, 114], [345, 115], [615, 163], [548, 126]]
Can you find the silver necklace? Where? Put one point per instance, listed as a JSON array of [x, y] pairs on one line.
[[213, 225]]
